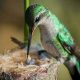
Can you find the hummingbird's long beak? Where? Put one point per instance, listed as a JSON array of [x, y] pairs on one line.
[[29, 39]]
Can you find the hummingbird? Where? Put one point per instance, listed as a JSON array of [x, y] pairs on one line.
[[55, 37]]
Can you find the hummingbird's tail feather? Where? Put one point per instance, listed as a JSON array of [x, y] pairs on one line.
[[75, 51], [73, 70]]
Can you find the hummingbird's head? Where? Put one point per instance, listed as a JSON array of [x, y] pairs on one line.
[[34, 16]]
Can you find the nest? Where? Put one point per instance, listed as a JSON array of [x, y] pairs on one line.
[[13, 67]]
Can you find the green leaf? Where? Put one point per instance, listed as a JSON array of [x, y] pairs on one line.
[[26, 32]]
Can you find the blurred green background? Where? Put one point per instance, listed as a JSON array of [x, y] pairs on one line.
[[11, 22], [12, 19]]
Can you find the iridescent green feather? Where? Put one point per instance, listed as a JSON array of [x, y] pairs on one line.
[[38, 9], [78, 65], [64, 34]]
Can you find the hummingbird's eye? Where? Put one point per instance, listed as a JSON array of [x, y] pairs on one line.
[[37, 19]]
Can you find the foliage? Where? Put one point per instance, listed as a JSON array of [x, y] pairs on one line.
[[26, 4]]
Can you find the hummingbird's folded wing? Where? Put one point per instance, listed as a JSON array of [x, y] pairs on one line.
[[67, 42]]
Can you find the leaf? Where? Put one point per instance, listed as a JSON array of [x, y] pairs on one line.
[[26, 32]]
